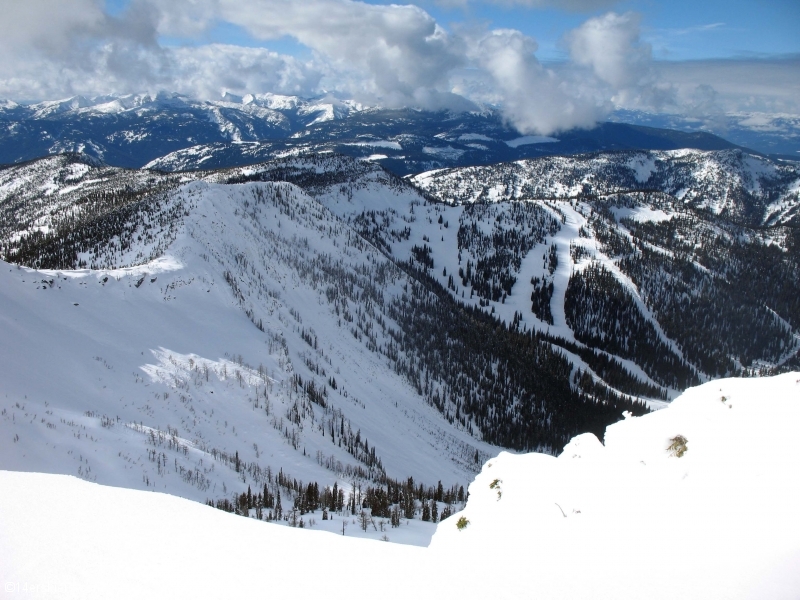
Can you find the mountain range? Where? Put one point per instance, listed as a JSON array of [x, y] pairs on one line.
[[173, 132]]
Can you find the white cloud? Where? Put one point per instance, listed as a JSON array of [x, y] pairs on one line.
[[610, 46], [203, 71], [47, 26], [73, 45], [534, 99], [399, 53], [82, 50], [183, 18]]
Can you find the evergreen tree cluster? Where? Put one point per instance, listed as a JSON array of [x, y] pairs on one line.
[[611, 371], [512, 388], [103, 225], [604, 315], [68, 211], [498, 236], [540, 299], [394, 500], [743, 294], [422, 254], [317, 174]]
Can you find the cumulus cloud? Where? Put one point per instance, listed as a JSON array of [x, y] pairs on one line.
[[67, 46], [400, 56], [534, 99], [611, 47], [398, 53], [82, 50], [48, 26], [206, 70]]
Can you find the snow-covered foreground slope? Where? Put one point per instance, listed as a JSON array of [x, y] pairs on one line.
[[626, 520], [632, 519]]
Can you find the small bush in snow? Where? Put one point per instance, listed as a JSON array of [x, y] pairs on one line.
[[462, 523], [495, 485], [677, 446]]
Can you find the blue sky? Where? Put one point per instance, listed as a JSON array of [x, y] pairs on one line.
[[676, 30]]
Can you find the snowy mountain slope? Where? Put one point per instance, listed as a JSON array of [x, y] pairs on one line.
[[147, 380], [665, 236], [241, 336], [635, 239], [411, 141], [605, 256], [392, 215], [133, 129], [500, 258], [630, 519], [42, 196], [775, 134], [408, 228], [639, 249]]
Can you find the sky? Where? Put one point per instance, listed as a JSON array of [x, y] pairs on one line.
[[549, 64]]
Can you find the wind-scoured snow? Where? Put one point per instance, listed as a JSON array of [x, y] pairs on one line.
[[466, 137], [390, 145], [641, 214], [643, 167]]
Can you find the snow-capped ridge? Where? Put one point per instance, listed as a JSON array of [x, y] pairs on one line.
[[731, 182]]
